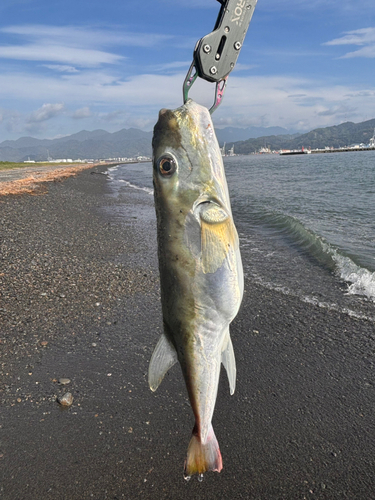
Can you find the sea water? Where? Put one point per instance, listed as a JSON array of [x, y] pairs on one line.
[[306, 223]]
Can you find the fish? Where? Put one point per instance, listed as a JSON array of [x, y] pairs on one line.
[[201, 275]]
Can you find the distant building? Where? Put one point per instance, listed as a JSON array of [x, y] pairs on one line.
[[61, 160]]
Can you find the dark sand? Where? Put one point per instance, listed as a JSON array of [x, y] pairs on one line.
[[78, 270]]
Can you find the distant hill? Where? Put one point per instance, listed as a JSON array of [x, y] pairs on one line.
[[90, 145], [337, 136], [132, 142]]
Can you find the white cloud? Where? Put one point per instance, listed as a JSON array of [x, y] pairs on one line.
[[338, 110], [172, 65], [289, 102], [273, 100], [312, 5], [362, 93], [71, 45], [113, 116], [85, 36], [61, 68], [357, 37], [244, 67], [364, 38], [82, 113], [368, 52], [46, 112], [11, 120], [91, 86], [58, 53], [292, 8]]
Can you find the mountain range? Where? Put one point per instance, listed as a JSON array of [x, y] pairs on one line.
[[100, 144], [345, 134], [97, 144]]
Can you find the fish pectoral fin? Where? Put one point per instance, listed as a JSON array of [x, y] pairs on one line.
[[193, 234], [229, 362], [162, 359], [218, 237]]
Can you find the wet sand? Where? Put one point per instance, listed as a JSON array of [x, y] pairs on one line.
[[80, 299]]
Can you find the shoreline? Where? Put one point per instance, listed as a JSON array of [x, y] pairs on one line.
[[80, 299], [30, 180]]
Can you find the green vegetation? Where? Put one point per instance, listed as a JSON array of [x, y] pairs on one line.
[[8, 165]]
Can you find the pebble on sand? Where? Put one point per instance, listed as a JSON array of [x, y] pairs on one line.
[[64, 381], [66, 400]]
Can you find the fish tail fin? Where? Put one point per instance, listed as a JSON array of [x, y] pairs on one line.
[[203, 457]]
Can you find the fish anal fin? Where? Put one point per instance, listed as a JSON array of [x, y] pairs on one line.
[[162, 359], [229, 362]]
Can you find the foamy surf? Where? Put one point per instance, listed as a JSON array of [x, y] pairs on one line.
[[110, 172], [312, 299], [134, 186], [361, 281]]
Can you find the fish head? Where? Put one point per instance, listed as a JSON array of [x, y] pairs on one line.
[[187, 163], [190, 189]]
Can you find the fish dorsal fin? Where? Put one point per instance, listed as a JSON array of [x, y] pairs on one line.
[[218, 236], [229, 362], [162, 359]]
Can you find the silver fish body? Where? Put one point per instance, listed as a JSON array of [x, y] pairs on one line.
[[200, 268]]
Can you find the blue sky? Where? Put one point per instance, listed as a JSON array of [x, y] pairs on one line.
[[74, 65]]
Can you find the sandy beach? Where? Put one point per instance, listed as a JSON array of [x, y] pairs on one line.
[[79, 299]]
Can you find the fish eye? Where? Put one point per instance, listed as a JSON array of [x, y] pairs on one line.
[[167, 165]]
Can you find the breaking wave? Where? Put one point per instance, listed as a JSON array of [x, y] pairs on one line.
[[360, 280]]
